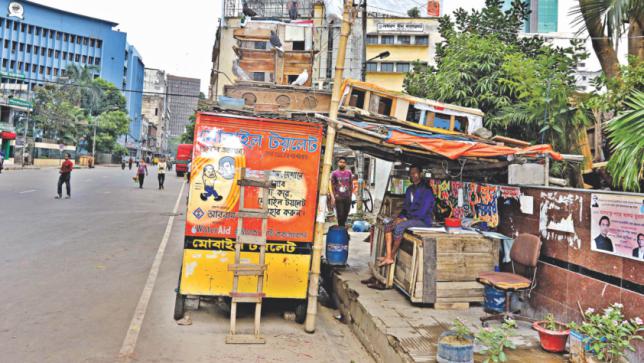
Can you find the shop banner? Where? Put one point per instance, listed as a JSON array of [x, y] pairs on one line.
[[617, 225], [289, 151]]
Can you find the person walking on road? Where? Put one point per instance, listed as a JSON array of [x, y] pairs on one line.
[[1, 161], [141, 172], [161, 167], [65, 177], [129, 163]]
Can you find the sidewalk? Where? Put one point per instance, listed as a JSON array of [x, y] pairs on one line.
[[394, 330]]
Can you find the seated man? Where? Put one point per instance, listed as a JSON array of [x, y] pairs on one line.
[[417, 212]]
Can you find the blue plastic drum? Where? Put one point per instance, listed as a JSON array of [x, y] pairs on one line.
[[494, 300], [337, 246]]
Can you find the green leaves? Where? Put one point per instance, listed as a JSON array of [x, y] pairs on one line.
[[626, 132]]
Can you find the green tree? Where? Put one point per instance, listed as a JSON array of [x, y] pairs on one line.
[[606, 21], [110, 125], [413, 12], [188, 136], [110, 97], [81, 87], [59, 119], [626, 132]]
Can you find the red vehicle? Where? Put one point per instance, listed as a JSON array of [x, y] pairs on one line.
[[184, 153]]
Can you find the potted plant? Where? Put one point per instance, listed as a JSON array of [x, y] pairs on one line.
[[496, 340], [552, 334], [608, 334], [456, 344]]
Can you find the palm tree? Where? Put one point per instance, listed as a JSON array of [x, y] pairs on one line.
[[626, 131], [82, 88], [606, 21]]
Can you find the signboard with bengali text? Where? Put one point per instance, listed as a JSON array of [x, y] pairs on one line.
[[617, 225]]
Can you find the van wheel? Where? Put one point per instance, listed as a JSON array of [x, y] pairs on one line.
[[300, 312], [179, 306]]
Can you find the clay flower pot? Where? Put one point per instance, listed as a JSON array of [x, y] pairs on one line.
[[553, 341]]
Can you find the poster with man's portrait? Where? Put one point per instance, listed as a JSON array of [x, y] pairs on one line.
[[617, 225]]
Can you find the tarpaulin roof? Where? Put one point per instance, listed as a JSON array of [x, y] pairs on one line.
[[449, 146]]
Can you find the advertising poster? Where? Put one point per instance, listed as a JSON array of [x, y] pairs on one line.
[[617, 225], [289, 151]]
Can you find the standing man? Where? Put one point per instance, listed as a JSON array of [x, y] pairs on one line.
[[341, 183], [161, 167], [1, 160], [417, 212], [65, 177], [602, 242], [129, 163]]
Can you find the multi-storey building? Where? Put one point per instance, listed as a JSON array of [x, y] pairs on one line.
[[155, 108], [38, 42], [183, 96]]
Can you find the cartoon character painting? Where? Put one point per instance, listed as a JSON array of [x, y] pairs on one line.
[[209, 178]]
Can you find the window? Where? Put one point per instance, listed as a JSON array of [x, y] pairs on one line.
[[14, 46], [49, 71], [77, 57], [7, 24], [56, 72], [372, 67], [23, 28], [51, 34], [50, 52], [78, 39], [45, 32], [64, 55], [156, 111], [36, 49], [28, 48], [386, 67], [387, 39], [66, 37], [15, 26], [72, 38], [91, 60], [298, 45], [57, 54], [41, 69], [85, 41], [422, 39], [38, 29], [84, 59], [12, 65], [42, 51], [20, 66], [4, 63], [92, 42], [404, 39], [22, 47], [402, 67], [97, 61], [258, 76], [34, 68], [6, 43], [372, 39], [59, 35], [99, 43], [30, 29]]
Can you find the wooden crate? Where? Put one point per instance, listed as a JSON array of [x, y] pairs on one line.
[[440, 268]]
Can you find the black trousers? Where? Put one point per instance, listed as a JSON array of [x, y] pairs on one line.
[[64, 178], [141, 178], [161, 180], [342, 208]]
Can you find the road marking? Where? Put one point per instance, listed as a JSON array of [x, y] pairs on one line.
[[27, 191], [129, 343]]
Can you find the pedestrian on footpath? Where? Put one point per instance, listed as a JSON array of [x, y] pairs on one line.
[[161, 167], [189, 169], [141, 172], [341, 182], [1, 161], [65, 177], [129, 163]]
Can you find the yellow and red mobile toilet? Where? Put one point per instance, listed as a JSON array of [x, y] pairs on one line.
[[223, 145]]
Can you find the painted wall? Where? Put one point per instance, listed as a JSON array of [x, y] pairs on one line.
[[133, 90], [568, 271]]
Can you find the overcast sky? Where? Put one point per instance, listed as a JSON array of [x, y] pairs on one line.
[[176, 37]]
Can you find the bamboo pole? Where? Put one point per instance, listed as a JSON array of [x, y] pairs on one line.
[[316, 255]]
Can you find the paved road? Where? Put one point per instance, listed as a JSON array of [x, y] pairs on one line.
[[73, 272]]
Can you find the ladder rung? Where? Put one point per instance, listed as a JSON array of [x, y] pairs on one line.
[[255, 182], [258, 213], [244, 339], [247, 297], [251, 240], [247, 269]]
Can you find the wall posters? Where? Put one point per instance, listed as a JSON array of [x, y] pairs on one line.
[[289, 151], [617, 225]]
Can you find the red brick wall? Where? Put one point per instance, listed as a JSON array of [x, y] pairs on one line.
[[559, 286]]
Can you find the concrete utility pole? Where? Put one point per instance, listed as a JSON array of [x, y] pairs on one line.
[[314, 277]]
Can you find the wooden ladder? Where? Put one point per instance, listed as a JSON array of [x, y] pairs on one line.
[[249, 269]]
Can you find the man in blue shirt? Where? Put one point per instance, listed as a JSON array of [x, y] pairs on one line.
[[417, 212]]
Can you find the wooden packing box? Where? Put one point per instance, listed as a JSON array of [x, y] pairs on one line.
[[440, 268]]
